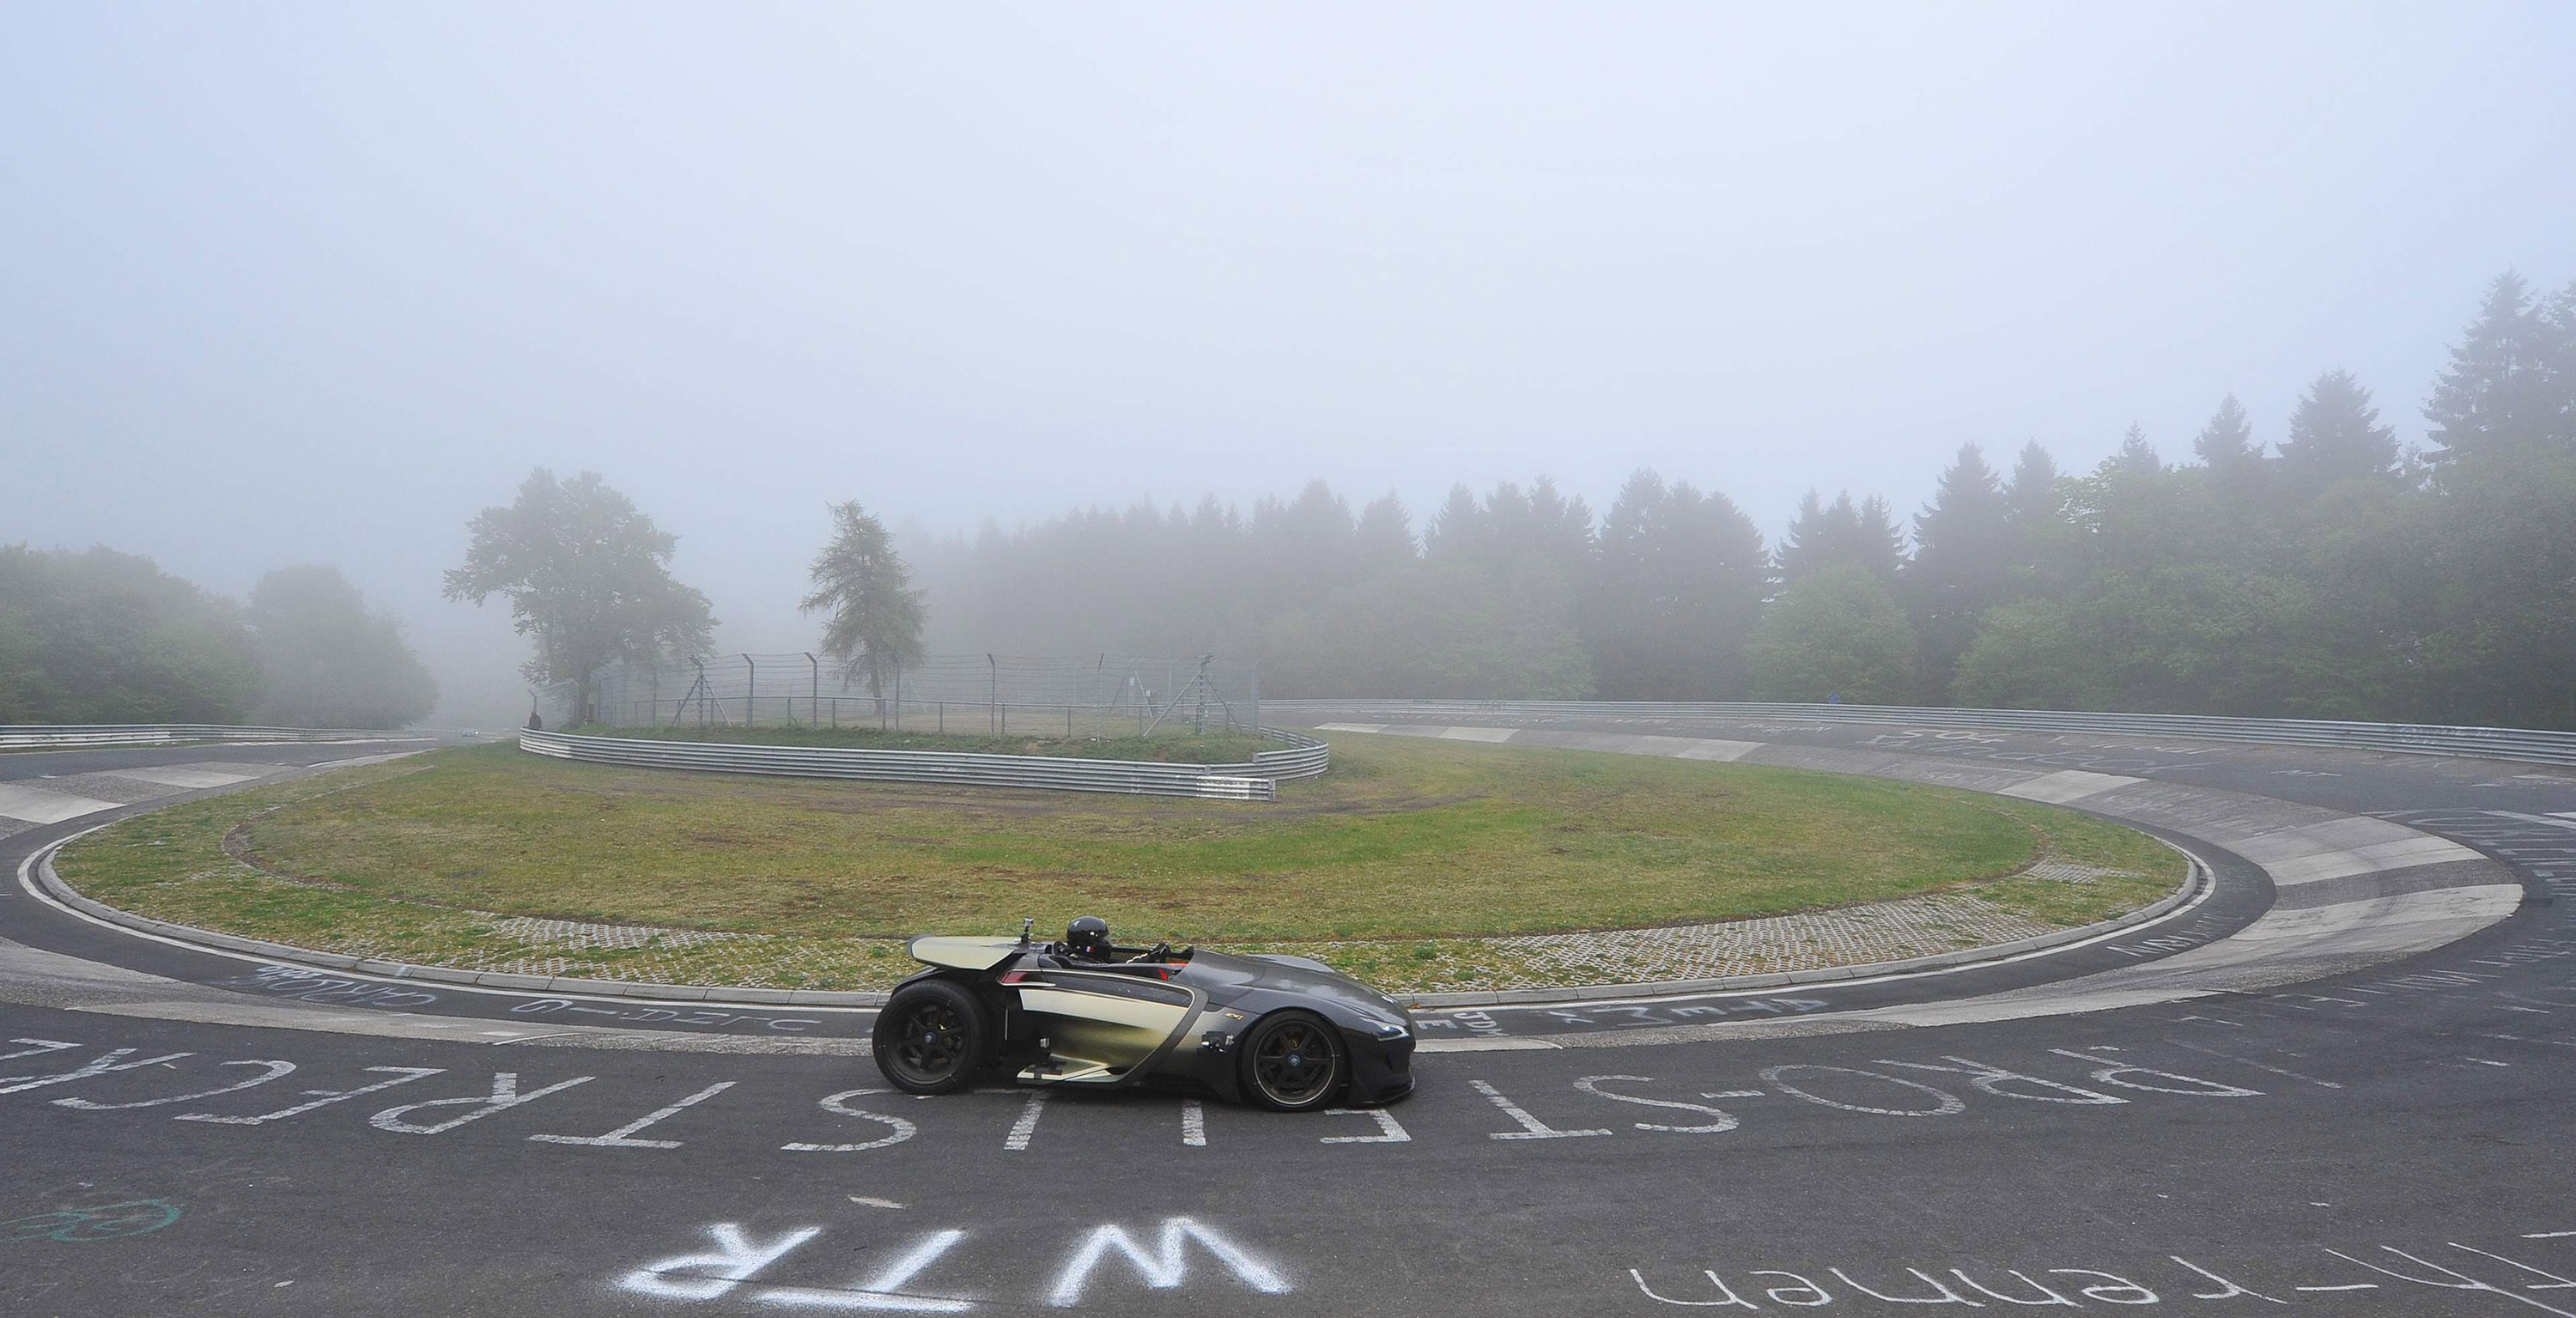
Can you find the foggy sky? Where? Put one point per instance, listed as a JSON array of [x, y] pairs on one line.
[[296, 284]]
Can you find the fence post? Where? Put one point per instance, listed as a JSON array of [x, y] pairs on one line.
[[813, 689], [992, 693], [1256, 697], [750, 693]]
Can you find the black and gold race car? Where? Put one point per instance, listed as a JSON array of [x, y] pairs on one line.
[[1281, 1032]]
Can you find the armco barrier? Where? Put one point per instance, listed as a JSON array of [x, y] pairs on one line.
[[1301, 757], [2519, 744], [26, 735]]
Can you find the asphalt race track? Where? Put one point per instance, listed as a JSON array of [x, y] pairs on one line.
[[2263, 1103]]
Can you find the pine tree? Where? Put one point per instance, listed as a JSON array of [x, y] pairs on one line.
[[1861, 535], [1675, 592], [1454, 532], [1553, 526], [874, 622], [2226, 446], [1385, 534], [1964, 554], [2556, 411], [2495, 393], [1882, 545], [2136, 457], [2335, 436], [1513, 528], [2033, 499], [1810, 538], [1305, 546]]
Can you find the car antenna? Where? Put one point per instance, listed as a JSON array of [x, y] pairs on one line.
[[1027, 923]]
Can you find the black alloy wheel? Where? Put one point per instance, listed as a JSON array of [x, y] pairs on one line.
[[931, 1038], [1292, 1062]]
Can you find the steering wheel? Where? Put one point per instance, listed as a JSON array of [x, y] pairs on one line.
[[1158, 952]]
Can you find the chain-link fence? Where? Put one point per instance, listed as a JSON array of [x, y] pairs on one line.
[[1100, 695]]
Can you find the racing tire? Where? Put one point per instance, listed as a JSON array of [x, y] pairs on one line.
[[1292, 1061], [932, 1037]]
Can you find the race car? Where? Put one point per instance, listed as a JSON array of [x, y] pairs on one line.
[[1279, 1032]]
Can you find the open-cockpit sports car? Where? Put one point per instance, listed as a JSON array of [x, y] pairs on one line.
[[1280, 1032]]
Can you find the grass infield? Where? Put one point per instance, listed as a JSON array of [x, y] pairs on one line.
[[1404, 841]]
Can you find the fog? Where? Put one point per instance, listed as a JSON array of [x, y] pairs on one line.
[[315, 284]]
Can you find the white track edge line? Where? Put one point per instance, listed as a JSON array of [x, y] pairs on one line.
[[27, 883]]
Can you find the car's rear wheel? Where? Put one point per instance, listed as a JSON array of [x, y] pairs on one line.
[[932, 1037], [1292, 1061]]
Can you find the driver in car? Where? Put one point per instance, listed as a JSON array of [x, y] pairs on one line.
[[1087, 939]]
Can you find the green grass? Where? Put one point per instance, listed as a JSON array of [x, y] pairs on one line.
[[1167, 746], [1408, 847]]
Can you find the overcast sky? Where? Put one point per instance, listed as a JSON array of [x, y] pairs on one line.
[[290, 284]]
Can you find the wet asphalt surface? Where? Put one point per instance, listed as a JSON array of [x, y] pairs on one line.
[[2387, 1142]]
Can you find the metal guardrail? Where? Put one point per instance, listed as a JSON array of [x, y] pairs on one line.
[[25, 735], [1302, 757], [2525, 745]]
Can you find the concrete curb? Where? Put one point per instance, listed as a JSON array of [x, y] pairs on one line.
[[284, 954], [2198, 883]]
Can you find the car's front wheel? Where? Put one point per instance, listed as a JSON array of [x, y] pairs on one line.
[[931, 1037], [1292, 1061]]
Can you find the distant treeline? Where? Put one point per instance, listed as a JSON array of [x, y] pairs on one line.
[[2324, 573], [102, 637]]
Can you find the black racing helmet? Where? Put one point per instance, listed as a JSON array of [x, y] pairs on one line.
[[1088, 937]]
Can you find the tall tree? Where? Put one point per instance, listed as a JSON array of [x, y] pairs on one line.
[[1454, 532], [2228, 449], [328, 661], [1843, 533], [2557, 410], [2489, 625], [1835, 634], [587, 576], [873, 614], [2495, 393], [2033, 499], [1965, 548], [1675, 594], [2136, 456], [1447, 629], [2228, 440], [2335, 436], [1309, 543], [1385, 535], [1512, 528], [101, 637]]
